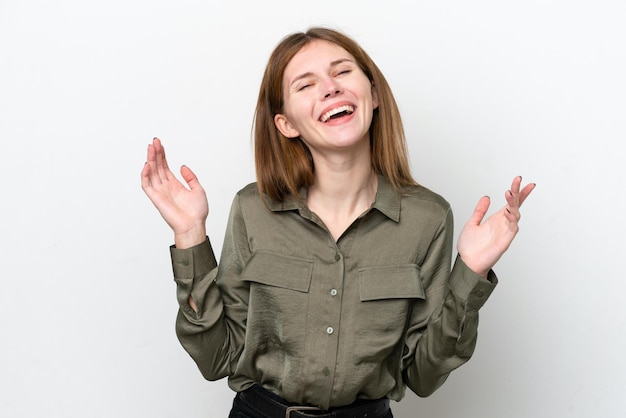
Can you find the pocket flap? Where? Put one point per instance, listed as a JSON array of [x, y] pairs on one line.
[[279, 270], [390, 282]]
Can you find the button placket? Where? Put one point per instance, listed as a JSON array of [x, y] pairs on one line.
[[333, 292]]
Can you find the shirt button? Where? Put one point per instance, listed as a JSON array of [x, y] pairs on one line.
[[326, 371], [329, 330], [480, 293], [333, 292], [185, 262], [337, 257]]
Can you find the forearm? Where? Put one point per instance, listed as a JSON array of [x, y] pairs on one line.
[[200, 325], [449, 338], [205, 338]]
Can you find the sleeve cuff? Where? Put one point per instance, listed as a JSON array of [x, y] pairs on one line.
[[470, 286], [194, 262], [192, 268]]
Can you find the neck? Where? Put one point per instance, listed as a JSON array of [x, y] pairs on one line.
[[343, 190], [343, 177], [343, 186]]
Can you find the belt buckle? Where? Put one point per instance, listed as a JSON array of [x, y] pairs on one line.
[[291, 409]]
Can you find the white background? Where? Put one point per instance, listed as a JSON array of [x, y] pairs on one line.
[[488, 90]]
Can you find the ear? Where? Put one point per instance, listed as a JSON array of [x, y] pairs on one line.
[[374, 96], [285, 127]]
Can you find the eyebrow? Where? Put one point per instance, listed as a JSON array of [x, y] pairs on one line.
[[332, 64]]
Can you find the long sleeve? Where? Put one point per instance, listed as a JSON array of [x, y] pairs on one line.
[[442, 332], [214, 336]]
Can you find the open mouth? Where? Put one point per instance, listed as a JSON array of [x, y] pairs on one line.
[[337, 113]]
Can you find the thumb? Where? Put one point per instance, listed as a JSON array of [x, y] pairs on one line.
[[480, 210], [190, 178]]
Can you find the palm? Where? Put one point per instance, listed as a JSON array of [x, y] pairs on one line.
[[481, 244], [182, 208]]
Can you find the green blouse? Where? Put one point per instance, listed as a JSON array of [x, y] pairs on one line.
[[324, 322]]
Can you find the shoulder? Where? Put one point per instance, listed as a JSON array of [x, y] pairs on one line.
[[421, 194], [247, 204], [424, 202], [250, 190], [249, 196]]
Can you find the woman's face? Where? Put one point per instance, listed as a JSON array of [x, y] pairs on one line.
[[328, 100]]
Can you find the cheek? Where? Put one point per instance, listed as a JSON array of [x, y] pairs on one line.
[[299, 111]]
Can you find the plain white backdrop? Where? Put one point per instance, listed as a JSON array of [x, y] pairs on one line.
[[488, 89]]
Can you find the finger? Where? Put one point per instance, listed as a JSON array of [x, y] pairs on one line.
[[515, 185], [512, 200], [190, 178], [150, 158], [150, 168], [512, 195], [158, 158], [525, 192], [146, 182], [480, 210], [145, 177], [511, 210], [161, 168], [511, 214], [164, 163]]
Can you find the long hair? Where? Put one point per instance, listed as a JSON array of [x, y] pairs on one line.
[[285, 165]]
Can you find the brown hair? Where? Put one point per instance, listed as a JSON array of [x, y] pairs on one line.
[[284, 165]]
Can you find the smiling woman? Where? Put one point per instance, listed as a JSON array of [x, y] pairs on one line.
[[336, 286], [329, 102]]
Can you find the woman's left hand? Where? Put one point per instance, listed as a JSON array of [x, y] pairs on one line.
[[481, 244]]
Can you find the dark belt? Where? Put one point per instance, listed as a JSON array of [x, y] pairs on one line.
[[272, 406]]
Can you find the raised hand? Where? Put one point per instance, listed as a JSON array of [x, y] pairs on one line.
[[184, 209], [481, 244]]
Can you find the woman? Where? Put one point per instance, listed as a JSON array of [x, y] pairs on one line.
[[334, 289]]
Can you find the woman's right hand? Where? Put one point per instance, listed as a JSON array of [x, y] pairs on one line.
[[184, 209]]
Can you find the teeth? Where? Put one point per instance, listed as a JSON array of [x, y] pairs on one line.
[[330, 113]]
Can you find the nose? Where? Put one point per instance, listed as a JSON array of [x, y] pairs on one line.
[[335, 92], [331, 89]]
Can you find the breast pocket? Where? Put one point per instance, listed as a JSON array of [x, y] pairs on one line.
[[279, 286], [386, 295]]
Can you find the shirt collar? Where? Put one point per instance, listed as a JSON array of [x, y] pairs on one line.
[[387, 201]]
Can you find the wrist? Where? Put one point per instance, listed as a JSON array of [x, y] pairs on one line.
[[475, 267], [190, 238]]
